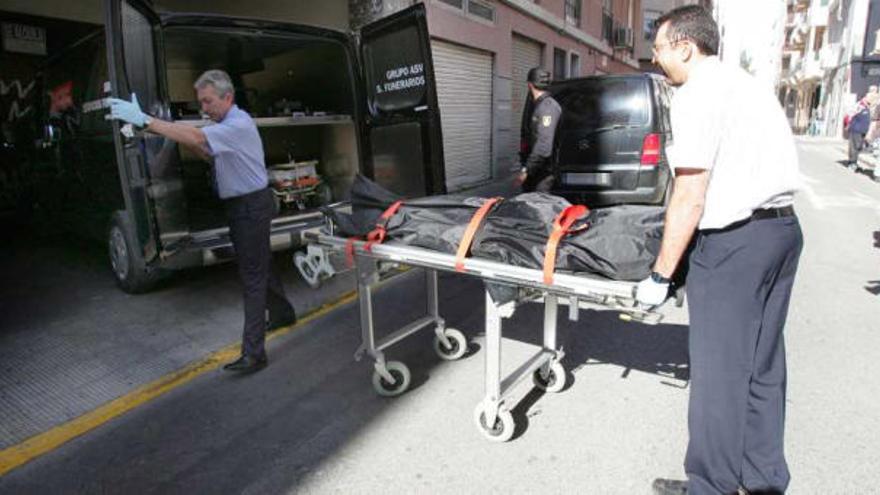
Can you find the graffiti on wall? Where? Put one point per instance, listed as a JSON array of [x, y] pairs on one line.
[[20, 105]]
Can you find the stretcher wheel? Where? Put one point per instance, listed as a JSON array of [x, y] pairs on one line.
[[554, 381], [301, 261], [458, 342], [503, 428], [401, 380]]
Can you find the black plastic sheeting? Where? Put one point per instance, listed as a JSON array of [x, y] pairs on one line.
[[619, 242]]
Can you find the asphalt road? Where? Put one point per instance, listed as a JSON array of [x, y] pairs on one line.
[[310, 422]]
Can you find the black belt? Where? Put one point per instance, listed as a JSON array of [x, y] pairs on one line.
[[759, 214], [762, 214]]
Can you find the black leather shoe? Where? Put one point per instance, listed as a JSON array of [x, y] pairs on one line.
[[276, 323], [669, 487], [246, 364]]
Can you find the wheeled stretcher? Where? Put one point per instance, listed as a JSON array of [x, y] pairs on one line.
[[390, 378]]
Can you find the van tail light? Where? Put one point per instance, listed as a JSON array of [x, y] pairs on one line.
[[523, 146], [651, 150]]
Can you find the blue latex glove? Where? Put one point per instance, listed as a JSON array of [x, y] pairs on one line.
[[127, 111]]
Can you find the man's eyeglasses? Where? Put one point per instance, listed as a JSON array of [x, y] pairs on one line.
[[657, 48]]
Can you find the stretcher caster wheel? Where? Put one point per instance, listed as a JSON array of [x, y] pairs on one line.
[[553, 381], [401, 380], [458, 345], [503, 428], [308, 272]]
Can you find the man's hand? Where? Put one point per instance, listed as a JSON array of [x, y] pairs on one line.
[[652, 293], [127, 111]]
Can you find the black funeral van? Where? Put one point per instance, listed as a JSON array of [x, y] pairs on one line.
[[611, 140], [328, 105]]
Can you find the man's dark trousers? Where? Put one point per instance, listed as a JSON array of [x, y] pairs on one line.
[[250, 218], [739, 286]]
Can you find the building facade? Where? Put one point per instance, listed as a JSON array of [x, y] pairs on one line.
[[482, 51], [651, 11], [831, 58]]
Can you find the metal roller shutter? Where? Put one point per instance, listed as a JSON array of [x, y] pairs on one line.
[[526, 53], [464, 91]]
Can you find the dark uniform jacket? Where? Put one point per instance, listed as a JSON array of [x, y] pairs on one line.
[[542, 127]]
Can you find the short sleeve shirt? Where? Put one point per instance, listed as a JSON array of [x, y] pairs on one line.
[[239, 163], [723, 121]]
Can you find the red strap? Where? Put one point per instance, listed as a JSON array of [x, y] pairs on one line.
[[349, 251], [465, 245], [561, 226], [377, 235]]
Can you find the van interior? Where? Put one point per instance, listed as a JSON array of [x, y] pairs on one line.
[[299, 90]]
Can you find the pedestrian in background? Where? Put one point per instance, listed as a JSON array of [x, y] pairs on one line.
[[734, 186], [858, 124]]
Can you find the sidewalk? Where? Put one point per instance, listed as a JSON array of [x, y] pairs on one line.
[[71, 342], [867, 161]]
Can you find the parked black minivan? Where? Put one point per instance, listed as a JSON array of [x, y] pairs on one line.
[[610, 143]]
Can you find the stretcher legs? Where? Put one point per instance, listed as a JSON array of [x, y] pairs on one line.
[[492, 415], [392, 378]]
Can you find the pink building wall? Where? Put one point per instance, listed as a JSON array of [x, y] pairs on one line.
[[452, 25]]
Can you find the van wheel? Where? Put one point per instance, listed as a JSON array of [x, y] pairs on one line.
[[131, 273]]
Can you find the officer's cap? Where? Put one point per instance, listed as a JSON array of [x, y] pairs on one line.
[[539, 77]]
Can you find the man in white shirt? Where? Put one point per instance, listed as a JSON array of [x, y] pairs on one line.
[[736, 172]]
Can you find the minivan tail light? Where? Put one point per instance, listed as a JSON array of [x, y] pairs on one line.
[[651, 150]]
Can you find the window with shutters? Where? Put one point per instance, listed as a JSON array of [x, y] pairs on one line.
[[478, 9], [573, 12], [607, 22]]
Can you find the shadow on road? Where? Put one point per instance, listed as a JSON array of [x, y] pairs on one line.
[[269, 432]]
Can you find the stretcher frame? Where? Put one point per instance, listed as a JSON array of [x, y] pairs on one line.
[[492, 415]]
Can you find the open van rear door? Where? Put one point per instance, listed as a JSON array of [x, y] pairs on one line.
[[132, 28], [403, 137]]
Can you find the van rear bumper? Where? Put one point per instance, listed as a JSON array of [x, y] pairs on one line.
[[587, 187], [599, 197]]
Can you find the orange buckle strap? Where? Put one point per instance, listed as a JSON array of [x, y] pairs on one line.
[[377, 235], [465, 245], [561, 226], [349, 251]]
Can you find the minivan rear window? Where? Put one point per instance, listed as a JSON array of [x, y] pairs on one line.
[[604, 103]]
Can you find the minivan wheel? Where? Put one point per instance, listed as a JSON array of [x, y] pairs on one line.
[[129, 270]]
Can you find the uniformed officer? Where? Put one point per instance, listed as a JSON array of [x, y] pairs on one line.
[[233, 144], [536, 173], [734, 184]]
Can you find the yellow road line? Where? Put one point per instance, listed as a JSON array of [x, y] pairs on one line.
[[38, 445]]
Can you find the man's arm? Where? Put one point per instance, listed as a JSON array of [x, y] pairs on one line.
[[682, 217], [191, 137]]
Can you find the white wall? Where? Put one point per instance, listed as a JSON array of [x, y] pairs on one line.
[[754, 28]]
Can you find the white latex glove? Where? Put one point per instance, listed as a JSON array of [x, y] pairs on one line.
[[127, 111], [651, 293]]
